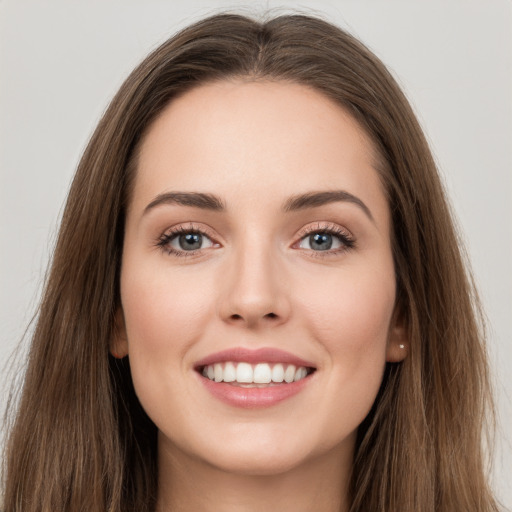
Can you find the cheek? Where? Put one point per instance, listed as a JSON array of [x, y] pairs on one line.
[[351, 311], [161, 310], [349, 319], [164, 315]]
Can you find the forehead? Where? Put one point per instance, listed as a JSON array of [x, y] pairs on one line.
[[252, 138]]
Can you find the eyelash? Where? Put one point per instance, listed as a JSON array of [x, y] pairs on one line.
[[326, 228], [166, 238], [346, 239]]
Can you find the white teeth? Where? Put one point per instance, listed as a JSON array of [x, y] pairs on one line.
[[259, 374], [289, 373], [229, 372], [244, 373], [262, 374], [278, 373], [217, 372], [300, 373]]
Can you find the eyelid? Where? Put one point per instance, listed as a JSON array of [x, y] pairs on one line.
[[346, 237], [186, 227], [162, 241], [321, 226]]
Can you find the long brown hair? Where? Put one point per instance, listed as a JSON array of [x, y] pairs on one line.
[[81, 440]]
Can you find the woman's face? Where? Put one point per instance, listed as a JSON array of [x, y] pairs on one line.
[[257, 252]]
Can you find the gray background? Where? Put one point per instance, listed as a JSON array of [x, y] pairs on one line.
[[61, 62]]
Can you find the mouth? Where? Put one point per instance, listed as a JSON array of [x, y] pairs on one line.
[[260, 375], [254, 378]]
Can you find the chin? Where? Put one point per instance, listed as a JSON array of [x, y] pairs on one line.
[[257, 463], [262, 453]]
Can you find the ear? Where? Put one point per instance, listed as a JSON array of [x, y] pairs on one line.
[[119, 343], [398, 338]]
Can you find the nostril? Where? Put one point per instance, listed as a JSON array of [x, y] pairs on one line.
[[236, 316]]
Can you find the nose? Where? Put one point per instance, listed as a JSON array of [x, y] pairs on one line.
[[254, 290]]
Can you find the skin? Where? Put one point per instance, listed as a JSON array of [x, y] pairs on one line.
[[258, 283]]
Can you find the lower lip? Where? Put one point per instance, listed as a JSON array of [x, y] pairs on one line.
[[251, 398]]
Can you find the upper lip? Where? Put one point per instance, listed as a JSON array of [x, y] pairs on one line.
[[253, 356]]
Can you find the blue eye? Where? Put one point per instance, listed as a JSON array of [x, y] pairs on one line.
[[323, 240], [191, 241], [320, 241], [184, 241], [188, 242]]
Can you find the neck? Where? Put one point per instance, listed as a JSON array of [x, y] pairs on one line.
[[188, 484]]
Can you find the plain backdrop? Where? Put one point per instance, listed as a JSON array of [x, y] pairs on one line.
[[61, 62]]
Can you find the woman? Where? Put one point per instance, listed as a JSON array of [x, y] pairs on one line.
[[257, 235]]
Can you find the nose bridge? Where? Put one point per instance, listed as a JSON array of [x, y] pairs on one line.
[[254, 291]]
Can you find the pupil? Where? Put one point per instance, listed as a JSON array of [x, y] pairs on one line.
[[190, 241], [320, 241]]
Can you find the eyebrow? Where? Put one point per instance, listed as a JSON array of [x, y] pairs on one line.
[[212, 202], [194, 199], [314, 199]]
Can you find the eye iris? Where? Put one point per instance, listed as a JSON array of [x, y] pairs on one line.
[[320, 241], [190, 241]]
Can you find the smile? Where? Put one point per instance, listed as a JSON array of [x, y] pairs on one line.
[[247, 378], [255, 375]]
